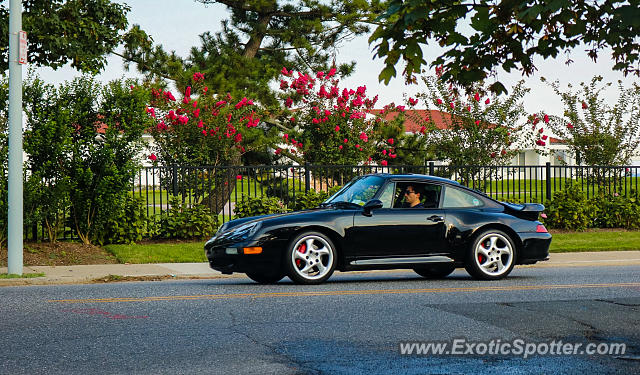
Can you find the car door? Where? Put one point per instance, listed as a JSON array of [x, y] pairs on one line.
[[393, 231]]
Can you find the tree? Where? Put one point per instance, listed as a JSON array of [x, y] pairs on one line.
[[47, 142], [204, 129], [333, 126], [258, 39], [478, 131], [596, 133], [81, 32], [480, 36], [85, 136]]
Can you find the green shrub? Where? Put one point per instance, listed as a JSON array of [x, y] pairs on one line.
[[187, 222], [254, 206], [310, 199], [617, 211], [570, 209], [127, 225]]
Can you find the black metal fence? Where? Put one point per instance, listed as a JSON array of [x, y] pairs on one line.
[[159, 186], [192, 185]]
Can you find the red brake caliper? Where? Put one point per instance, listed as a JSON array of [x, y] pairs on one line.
[[301, 249], [480, 258]]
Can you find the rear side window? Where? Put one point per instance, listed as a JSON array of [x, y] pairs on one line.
[[455, 198]]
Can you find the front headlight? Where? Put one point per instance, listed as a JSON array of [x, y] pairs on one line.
[[244, 231]]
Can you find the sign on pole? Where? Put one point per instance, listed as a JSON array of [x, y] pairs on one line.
[[22, 35]]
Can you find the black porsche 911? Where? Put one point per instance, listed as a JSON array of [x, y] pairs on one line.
[[383, 221]]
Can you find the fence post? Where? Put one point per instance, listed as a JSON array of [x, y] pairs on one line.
[[431, 168], [548, 180], [307, 177], [174, 179]]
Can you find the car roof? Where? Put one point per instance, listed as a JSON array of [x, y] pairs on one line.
[[416, 177]]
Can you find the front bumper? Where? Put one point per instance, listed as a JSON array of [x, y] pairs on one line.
[[535, 247], [228, 257]]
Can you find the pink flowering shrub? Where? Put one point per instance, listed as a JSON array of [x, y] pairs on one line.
[[327, 124], [472, 129], [595, 132], [202, 129]]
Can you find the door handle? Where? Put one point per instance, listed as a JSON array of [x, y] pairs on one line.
[[436, 218]]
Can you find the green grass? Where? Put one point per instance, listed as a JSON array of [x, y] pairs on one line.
[[595, 241], [185, 252], [189, 252], [23, 276]]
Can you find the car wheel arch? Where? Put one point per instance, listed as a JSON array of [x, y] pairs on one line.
[[504, 228]]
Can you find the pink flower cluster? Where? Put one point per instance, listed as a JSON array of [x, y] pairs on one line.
[[243, 102], [198, 76]]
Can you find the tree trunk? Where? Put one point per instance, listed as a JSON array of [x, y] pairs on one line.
[[253, 45], [224, 181]]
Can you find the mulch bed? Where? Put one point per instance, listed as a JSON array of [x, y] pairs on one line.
[[60, 254]]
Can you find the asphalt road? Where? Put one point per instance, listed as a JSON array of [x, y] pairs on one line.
[[353, 324]]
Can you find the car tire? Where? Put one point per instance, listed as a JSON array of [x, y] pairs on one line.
[[266, 277], [492, 255], [435, 271], [310, 258]]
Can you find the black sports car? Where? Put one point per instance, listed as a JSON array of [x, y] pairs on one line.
[[383, 221]]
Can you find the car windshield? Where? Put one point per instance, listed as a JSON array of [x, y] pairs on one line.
[[358, 191]]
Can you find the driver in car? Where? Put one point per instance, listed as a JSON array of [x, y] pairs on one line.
[[412, 197]]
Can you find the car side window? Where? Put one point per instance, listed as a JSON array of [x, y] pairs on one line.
[[456, 198], [387, 195], [427, 195]]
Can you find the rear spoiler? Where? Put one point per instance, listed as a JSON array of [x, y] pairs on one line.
[[527, 211]]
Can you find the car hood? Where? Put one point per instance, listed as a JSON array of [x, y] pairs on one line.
[[296, 215]]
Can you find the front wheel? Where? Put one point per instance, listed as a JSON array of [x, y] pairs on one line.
[[435, 271], [310, 258], [492, 256]]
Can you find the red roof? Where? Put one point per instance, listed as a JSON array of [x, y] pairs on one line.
[[413, 117]]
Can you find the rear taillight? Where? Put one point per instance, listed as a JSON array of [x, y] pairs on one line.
[[541, 229]]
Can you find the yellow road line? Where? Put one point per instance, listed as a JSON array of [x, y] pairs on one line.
[[345, 293]]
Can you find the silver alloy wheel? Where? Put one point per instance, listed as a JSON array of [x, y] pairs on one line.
[[493, 254], [312, 257]]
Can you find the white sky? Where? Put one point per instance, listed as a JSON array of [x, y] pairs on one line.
[[177, 24]]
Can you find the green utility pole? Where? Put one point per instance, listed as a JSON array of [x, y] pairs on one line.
[[17, 56]]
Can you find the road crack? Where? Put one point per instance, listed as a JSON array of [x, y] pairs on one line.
[[300, 367]]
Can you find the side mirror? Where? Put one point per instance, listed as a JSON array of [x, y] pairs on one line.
[[373, 204]]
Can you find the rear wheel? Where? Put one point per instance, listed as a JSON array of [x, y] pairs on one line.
[[492, 255], [435, 271], [266, 277], [311, 258]]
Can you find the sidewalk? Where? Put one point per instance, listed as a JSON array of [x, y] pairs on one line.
[[99, 272]]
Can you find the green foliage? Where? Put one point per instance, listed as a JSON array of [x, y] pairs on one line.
[[478, 130], [617, 211], [330, 126], [596, 133], [80, 32], [503, 34], [82, 139], [570, 209], [257, 40], [254, 206], [187, 221], [310, 199], [127, 225]]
